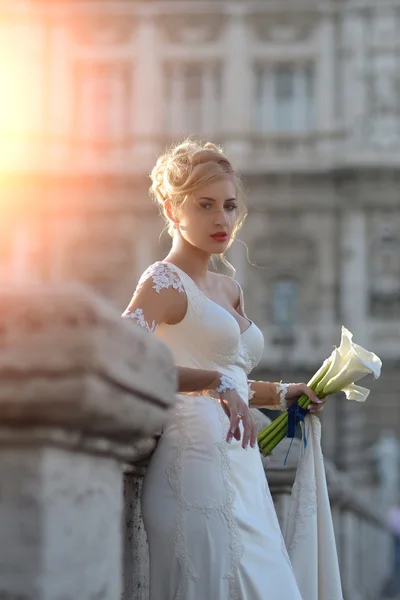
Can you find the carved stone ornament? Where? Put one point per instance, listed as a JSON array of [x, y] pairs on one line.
[[190, 29], [103, 29], [283, 27]]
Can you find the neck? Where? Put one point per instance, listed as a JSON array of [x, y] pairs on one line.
[[190, 259]]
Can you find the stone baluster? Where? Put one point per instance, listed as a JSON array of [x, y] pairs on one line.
[[83, 393]]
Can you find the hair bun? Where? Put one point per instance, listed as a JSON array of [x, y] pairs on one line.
[[183, 168]]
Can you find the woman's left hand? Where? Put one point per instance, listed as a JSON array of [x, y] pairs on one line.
[[296, 390]]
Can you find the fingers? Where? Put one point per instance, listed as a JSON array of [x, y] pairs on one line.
[[314, 409], [246, 430], [253, 434], [233, 426], [249, 428], [310, 393], [316, 405]]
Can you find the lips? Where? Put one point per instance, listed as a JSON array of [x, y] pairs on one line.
[[220, 237]]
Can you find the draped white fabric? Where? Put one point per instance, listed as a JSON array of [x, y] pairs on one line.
[[309, 534]]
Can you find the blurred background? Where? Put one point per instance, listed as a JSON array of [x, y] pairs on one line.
[[304, 97]]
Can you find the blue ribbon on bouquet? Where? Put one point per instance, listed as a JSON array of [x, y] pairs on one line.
[[296, 414]]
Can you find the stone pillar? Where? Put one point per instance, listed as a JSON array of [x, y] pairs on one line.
[[83, 393], [349, 558], [148, 92], [136, 551], [237, 103], [354, 65], [353, 305], [176, 100], [353, 273], [325, 82], [209, 100]]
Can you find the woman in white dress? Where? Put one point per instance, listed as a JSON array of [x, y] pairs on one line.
[[211, 524]]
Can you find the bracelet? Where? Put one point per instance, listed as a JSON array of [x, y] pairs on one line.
[[226, 383], [282, 390]]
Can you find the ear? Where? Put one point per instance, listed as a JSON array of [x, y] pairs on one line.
[[169, 209]]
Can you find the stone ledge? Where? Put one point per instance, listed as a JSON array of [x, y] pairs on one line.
[[68, 360], [76, 441]]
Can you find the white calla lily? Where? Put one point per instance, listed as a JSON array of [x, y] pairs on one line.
[[338, 373], [356, 392], [348, 363]]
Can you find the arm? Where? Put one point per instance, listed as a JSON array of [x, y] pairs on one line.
[[279, 396], [264, 394], [160, 298]]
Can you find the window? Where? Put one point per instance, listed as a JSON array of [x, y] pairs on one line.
[[284, 100], [193, 92], [193, 82], [103, 102], [284, 304]]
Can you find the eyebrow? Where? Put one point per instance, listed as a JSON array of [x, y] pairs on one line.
[[213, 199]]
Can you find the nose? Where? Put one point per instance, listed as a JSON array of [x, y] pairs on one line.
[[220, 218]]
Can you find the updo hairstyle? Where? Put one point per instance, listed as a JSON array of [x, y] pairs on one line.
[[186, 167]]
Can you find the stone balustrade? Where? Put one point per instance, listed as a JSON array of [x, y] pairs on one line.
[[83, 393], [83, 399]]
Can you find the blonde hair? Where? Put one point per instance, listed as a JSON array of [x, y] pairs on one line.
[[184, 168]]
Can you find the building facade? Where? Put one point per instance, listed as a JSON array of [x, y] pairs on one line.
[[304, 96]]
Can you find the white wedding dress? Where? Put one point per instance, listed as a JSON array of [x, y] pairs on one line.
[[211, 524]]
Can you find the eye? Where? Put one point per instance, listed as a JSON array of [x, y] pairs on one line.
[[231, 207], [205, 205]]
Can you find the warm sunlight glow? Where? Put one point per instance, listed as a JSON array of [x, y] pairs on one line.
[[18, 99]]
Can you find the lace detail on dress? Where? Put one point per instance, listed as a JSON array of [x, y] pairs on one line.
[[236, 544], [138, 316], [178, 541], [163, 277], [251, 361], [316, 426], [178, 536]]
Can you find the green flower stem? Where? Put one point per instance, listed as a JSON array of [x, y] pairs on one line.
[[270, 436], [277, 426], [278, 435], [271, 427]]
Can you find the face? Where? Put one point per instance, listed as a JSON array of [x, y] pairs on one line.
[[207, 221]]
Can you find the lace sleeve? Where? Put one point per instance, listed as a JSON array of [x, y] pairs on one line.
[[147, 309], [282, 389], [138, 316]]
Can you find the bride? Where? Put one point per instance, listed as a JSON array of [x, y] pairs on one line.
[[208, 513]]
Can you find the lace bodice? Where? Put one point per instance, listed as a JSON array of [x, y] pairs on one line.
[[209, 336]]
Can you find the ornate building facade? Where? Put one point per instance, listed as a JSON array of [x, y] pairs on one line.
[[304, 96]]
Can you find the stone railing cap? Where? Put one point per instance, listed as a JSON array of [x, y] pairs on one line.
[[68, 359]]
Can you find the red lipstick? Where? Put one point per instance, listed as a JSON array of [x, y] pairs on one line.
[[220, 236]]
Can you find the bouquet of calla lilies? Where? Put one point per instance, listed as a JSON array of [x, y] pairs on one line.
[[346, 365]]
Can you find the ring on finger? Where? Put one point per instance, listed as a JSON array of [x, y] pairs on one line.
[[240, 416]]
